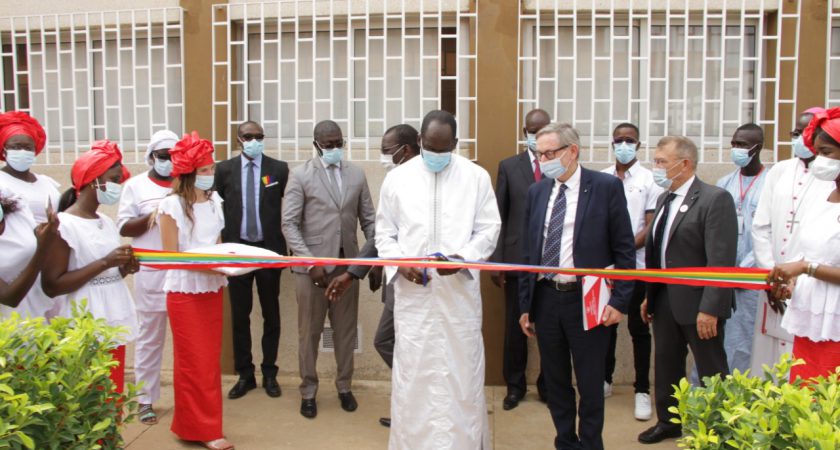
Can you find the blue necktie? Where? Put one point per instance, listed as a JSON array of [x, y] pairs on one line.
[[554, 237]]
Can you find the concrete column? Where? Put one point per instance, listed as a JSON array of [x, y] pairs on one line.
[[497, 68]]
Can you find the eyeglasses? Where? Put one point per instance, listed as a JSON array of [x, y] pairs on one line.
[[549, 154], [251, 137], [331, 145], [162, 157], [795, 134]]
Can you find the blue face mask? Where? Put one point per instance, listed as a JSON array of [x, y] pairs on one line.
[[741, 156], [204, 182], [624, 152], [163, 167], [531, 140], [553, 168], [800, 150], [20, 160], [660, 176], [253, 148], [333, 155], [1, 214], [111, 194], [436, 162]]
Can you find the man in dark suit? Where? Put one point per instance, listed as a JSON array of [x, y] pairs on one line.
[[575, 217], [516, 175], [695, 225], [252, 186]]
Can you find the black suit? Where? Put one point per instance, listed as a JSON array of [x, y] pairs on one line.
[[229, 186], [516, 175], [704, 233], [603, 236]]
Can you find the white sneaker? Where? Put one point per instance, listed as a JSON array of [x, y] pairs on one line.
[[643, 410], [607, 389]]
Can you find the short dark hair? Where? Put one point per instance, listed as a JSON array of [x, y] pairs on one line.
[[441, 116], [325, 127], [406, 135], [626, 125], [247, 122], [752, 127]]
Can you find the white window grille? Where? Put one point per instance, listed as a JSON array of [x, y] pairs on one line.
[[367, 65], [832, 85], [690, 69], [95, 75]]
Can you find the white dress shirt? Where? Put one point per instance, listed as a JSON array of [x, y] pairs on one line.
[[676, 203], [641, 193], [567, 240], [257, 168]]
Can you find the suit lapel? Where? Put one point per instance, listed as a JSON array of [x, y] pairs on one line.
[[344, 183], [542, 206], [264, 170], [325, 180], [583, 202], [524, 163], [236, 184], [691, 197]]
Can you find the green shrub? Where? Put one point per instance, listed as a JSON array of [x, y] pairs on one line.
[[55, 390], [744, 412]]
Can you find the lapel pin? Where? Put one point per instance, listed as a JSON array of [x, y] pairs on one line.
[[683, 208]]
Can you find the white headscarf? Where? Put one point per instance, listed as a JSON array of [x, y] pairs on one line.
[[161, 139]]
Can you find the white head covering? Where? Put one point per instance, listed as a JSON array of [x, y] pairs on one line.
[[161, 139]]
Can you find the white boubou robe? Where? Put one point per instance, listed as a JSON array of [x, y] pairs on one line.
[[437, 400], [789, 191]]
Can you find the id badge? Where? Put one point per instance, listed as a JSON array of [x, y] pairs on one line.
[[740, 224]]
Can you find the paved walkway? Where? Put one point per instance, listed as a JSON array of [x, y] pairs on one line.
[[258, 422]]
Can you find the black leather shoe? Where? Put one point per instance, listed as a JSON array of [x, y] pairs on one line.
[[385, 421], [348, 402], [659, 433], [271, 387], [308, 408], [511, 401], [242, 387]]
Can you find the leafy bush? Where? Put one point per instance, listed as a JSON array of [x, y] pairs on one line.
[[744, 412], [55, 390]]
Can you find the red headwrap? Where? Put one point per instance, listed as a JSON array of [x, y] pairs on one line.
[[13, 123], [95, 162], [190, 153], [828, 121]]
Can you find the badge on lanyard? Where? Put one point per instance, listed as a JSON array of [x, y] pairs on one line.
[[740, 224]]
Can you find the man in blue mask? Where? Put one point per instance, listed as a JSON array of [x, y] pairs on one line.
[[327, 200], [516, 175], [641, 193], [251, 185]]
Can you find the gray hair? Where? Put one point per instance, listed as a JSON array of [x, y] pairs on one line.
[[686, 149], [565, 133]]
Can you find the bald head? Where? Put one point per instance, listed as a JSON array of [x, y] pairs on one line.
[[326, 128]]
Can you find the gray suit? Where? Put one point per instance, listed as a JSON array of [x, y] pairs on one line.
[[384, 339], [704, 233], [316, 222]]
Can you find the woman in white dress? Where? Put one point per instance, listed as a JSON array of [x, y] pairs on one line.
[[191, 218], [21, 139], [140, 198], [812, 281], [87, 262], [23, 245]]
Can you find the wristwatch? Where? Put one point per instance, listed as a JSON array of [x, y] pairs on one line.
[[812, 269]]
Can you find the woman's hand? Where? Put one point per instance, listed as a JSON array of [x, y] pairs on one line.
[[118, 257]]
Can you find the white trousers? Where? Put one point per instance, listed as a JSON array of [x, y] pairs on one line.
[[148, 353]]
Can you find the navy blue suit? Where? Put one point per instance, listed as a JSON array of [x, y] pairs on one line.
[[603, 236]]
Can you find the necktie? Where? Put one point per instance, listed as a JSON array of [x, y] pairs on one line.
[[659, 232], [554, 236], [334, 181], [250, 204], [537, 173]]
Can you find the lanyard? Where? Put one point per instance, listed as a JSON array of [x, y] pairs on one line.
[[744, 193]]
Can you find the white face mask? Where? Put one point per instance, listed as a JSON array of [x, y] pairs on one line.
[[825, 169], [204, 182], [20, 160], [111, 194]]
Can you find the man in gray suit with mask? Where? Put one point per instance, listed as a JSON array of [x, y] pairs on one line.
[[326, 199]]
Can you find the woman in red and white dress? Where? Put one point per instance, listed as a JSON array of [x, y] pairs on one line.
[[191, 217], [813, 282], [86, 260]]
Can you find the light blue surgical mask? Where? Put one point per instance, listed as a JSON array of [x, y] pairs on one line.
[[741, 156], [333, 155], [553, 168], [800, 150], [204, 182], [163, 167], [624, 152], [531, 141], [435, 162], [20, 160], [1, 214], [253, 148], [660, 176], [111, 194]]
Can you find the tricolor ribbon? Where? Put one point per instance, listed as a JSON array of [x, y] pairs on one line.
[[727, 277]]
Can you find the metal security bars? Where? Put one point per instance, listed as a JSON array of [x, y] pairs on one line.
[[676, 67], [832, 85], [95, 75], [367, 65]]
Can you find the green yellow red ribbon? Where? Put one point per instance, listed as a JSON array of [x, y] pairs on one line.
[[728, 277]]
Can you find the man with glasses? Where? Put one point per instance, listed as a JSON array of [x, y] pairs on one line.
[[641, 193], [575, 218], [327, 199], [251, 185], [789, 191]]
